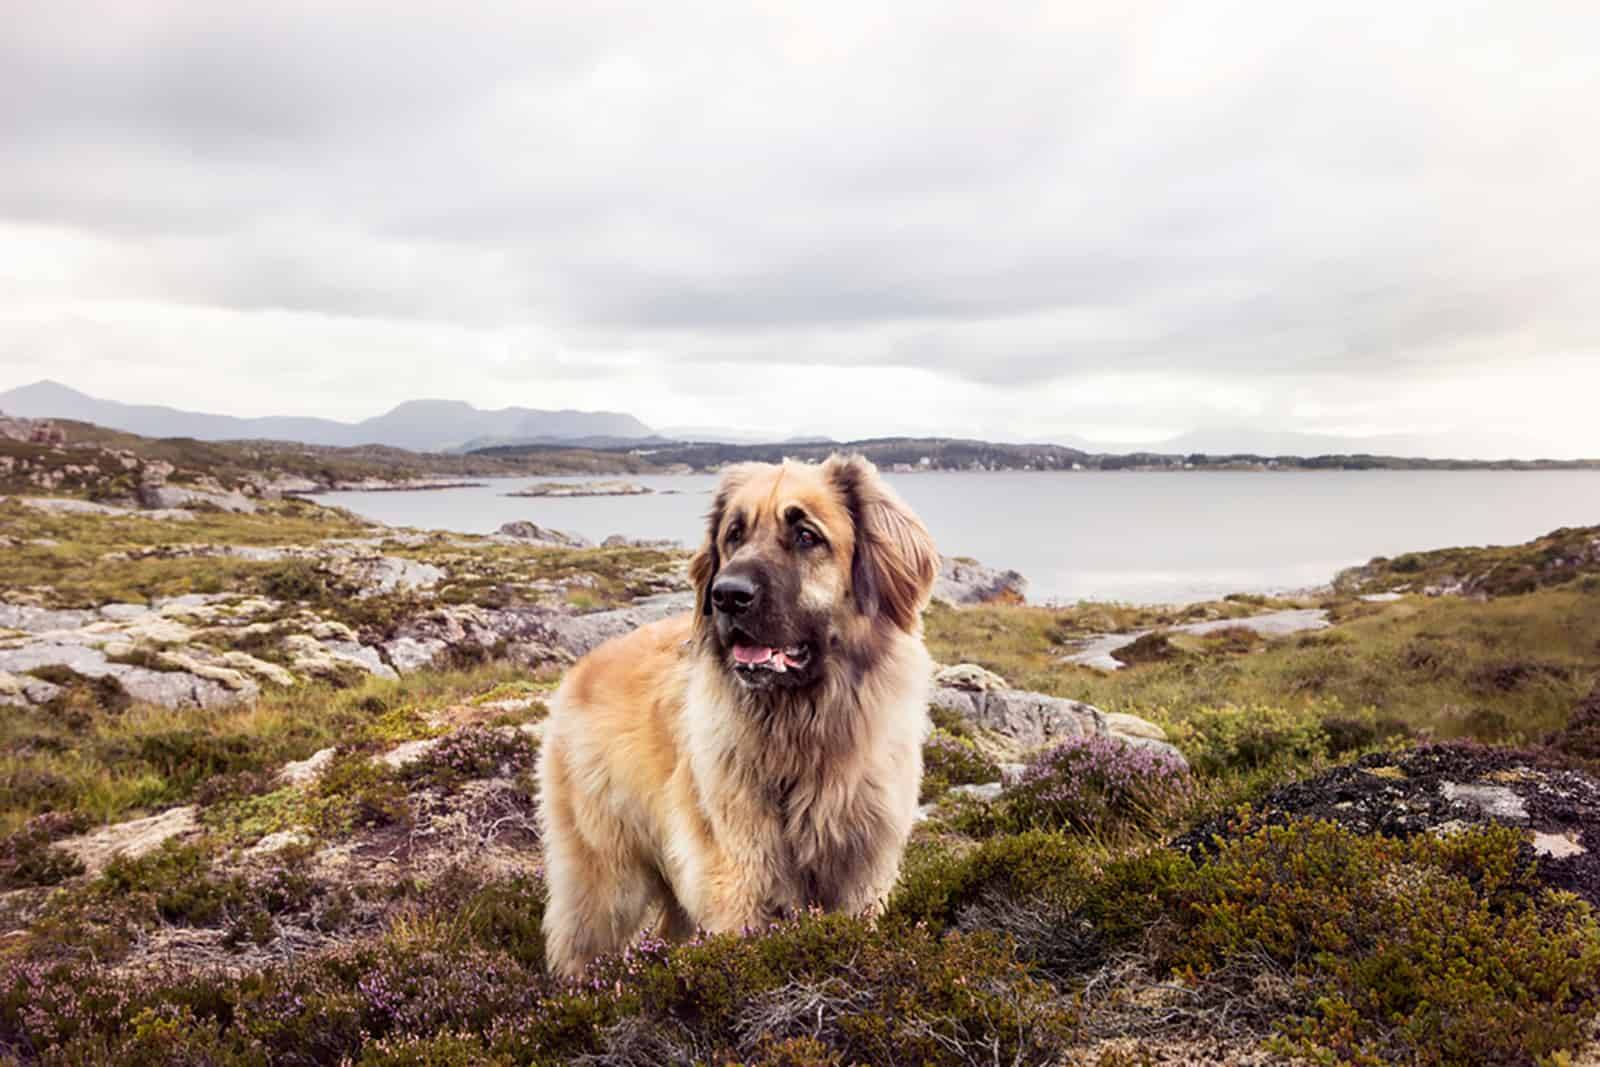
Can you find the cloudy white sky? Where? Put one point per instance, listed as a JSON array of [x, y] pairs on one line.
[[1051, 220]]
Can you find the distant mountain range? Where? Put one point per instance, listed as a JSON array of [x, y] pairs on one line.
[[455, 426], [418, 425]]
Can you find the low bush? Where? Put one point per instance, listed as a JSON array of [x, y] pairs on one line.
[[473, 752], [949, 759], [1098, 785], [1232, 738], [1428, 950], [27, 857]]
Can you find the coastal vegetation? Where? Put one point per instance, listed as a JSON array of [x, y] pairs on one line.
[[342, 864]]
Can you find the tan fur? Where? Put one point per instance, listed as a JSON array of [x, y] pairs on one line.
[[670, 790]]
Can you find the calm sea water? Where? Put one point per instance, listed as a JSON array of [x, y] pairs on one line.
[[1141, 538]]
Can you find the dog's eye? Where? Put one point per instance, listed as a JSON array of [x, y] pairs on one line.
[[734, 535], [807, 538]]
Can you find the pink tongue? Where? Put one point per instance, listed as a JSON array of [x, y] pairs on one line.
[[750, 654]]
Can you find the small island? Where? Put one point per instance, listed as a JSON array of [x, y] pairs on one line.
[[598, 488]]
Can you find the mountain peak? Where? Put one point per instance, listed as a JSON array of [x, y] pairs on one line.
[[426, 425]]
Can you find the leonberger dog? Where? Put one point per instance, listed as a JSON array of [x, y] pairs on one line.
[[762, 754]]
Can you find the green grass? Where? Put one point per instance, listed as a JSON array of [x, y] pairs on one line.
[[116, 765], [1507, 669]]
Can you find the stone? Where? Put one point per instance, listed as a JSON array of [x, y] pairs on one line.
[[330, 658], [277, 842], [134, 839], [987, 791], [962, 582], [578, 634], [1132, 726], [533, 533], [171, 497], [41, 620], [123, 612], [970, 677], [408, 654], [304, 772], [408, 752], [226, 676], [620, 541], [1029, 721], [1497, 802], [23, 691], [1555, 846], [375, 576], [270, 671]]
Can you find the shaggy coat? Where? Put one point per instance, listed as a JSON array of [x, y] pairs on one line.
[[761, 755]]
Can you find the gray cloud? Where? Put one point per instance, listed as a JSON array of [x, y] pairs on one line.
[[1256, 195]]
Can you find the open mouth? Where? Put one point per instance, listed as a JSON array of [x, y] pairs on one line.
[[754, 658]]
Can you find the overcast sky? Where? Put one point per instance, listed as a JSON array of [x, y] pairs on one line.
[[998, 219]]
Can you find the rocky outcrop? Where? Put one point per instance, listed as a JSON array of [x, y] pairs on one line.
[[962, 582], [378, 575], [1024, 721], [130, 839], [619, 541], [533, 533], [571, 489]]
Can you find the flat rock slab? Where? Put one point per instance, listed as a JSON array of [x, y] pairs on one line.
[[134, 839], [1442, 789], [1097, 653], [1030, 721]]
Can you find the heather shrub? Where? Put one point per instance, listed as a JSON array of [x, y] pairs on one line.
[[26, 855], [811, 990], [1428, 950], [1098, 785], [948, 759], [1230, 738], [1063, 906], [473, 752], [354, 792]]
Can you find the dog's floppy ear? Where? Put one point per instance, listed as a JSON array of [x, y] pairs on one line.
[[707, 561], [895, 563]]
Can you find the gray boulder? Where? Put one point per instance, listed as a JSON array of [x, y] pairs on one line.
[[1026, 721], [533, 533], [964, 581]]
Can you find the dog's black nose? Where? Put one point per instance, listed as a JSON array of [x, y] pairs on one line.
[[734, 594]]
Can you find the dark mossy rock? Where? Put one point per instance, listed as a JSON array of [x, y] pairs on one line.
[[1441, 789]]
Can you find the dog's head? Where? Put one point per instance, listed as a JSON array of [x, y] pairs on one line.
[[802, 563]]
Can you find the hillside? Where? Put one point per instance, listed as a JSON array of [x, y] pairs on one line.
[[419, 425], [62, 457], [944, 453]]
